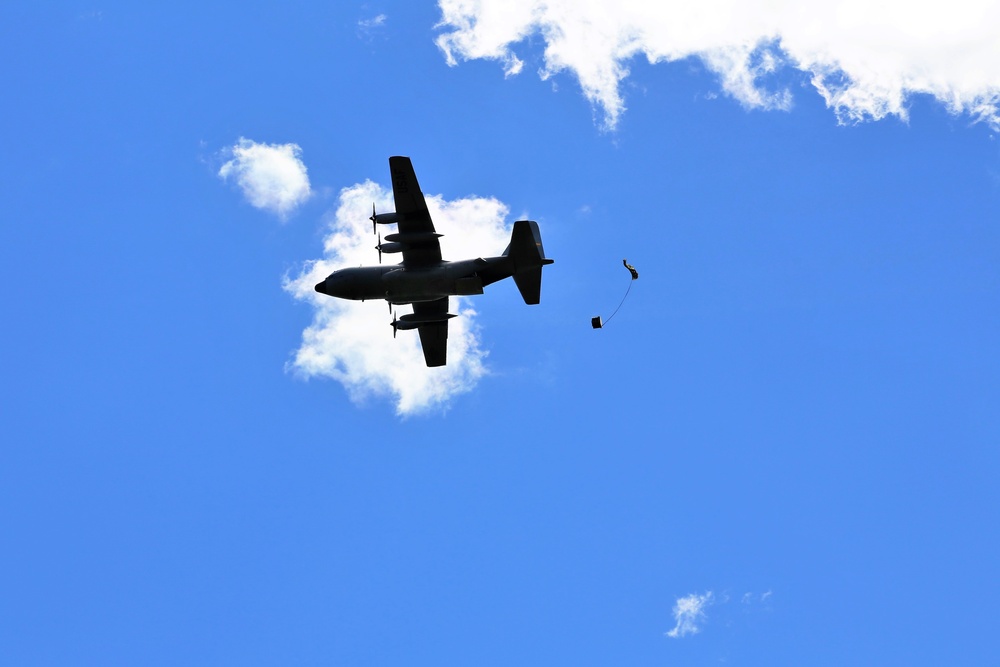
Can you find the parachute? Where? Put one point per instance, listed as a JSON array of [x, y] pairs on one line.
[[596, 322]]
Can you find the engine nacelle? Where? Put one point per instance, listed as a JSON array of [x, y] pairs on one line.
[[417, 320], [400, 325], [413, 237], [413, 321], [386, 218], [389, 247]]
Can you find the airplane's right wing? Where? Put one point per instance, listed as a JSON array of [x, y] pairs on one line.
[[433, 335], [422, 248]]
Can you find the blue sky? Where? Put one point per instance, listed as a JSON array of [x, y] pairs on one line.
[[783, 449]]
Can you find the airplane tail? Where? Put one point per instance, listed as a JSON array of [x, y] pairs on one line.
[[528, 256]]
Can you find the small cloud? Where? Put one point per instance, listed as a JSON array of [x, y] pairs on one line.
[[512, 66], [375, 22], [271, 176], [750, 599], [351, 342], [368, 27], [689, 613]]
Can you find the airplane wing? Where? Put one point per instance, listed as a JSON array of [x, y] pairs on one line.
[[433, 335], [415, 221]]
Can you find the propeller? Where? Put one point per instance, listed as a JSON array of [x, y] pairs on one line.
[[373, 218], [394, 320], [379, 248]]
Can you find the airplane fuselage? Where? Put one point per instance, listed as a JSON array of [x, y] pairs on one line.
[[399, 284]]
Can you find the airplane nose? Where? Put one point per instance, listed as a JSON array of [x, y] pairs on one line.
[[337, 284]]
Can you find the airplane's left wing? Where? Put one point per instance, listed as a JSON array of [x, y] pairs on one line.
[[433, 335], [416, 231]]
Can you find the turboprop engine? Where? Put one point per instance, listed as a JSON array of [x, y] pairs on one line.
[[412, 321], [399, 242]]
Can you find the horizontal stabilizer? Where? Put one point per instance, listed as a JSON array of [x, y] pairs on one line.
[[529, 283]]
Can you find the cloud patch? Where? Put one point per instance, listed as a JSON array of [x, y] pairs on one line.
[[352, 343], [374, 22], [272, 177], [367, 28], [865, 59], [689, 614]]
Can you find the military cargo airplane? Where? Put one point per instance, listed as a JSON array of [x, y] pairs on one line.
[[425, 280]]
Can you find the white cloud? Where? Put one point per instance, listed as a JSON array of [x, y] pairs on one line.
[[865, 58], [374, 22], [368, 28], [689, 613], [271, 176], [352, 342], [751, 598]]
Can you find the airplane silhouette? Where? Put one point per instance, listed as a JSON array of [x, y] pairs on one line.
[[424, 279]]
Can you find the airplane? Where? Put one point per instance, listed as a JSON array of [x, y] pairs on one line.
[[425, 280]]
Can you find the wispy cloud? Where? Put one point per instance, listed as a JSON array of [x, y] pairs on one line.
[[367, 27], [352, 343], [374, 22], [865, 59], [689, 614], [271, 176], [752, 598]]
